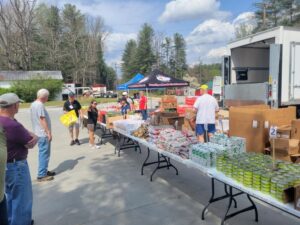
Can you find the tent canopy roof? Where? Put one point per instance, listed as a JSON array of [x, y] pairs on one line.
[[158, 79], [133, 80]]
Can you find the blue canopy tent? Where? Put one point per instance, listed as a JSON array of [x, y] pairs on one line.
[[136, 78]]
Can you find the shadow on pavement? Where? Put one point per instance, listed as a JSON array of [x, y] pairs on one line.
[[67, 165]]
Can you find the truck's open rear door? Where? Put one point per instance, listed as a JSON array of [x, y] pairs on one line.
[[275, 74], [294, 79]]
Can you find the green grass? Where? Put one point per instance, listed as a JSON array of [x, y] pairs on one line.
[[83, 101]]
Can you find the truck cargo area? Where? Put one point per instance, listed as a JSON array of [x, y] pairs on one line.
[[263, 68]]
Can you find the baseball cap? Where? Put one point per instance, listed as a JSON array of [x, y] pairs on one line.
[[204, 87], [124, 93], [71, 94], [9, 99]]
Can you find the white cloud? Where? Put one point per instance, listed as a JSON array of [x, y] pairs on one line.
[[207, 40], [178, 10], [243, 18], [217, 53], [117, 41], [114, 46], [211, 32]]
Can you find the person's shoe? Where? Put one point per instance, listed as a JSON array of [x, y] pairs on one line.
[[45, 178], [51, 173], [95, 147], [77, 142], [72, 142]]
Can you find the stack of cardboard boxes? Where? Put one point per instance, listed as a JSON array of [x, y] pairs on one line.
[[168, 103], [254, 122], [287, 143]]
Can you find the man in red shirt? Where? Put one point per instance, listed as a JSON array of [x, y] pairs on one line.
[[143, 105]]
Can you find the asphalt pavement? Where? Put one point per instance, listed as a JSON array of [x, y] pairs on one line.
[[95, 187]]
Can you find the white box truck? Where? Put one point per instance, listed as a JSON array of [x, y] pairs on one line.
[[264, 68]]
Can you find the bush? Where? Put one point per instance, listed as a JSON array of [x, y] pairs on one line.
[[27, 89], [4, 90]]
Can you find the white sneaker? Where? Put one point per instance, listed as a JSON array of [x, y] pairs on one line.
[[95, 147], [90, 145]]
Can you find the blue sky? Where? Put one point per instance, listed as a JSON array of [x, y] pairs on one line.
[[207, 25]]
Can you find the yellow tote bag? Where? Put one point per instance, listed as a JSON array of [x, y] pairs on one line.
[[68, 118]]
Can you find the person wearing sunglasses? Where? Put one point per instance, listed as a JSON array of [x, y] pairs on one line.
[[92, 123]]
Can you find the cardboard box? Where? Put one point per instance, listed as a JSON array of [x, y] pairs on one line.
[[110, 120], [289, 146], [241, 122], [295, 133], [253, 123], [284, 131], [168, 105], [189, 124], [281, 155], [169, 99], [190, 114]]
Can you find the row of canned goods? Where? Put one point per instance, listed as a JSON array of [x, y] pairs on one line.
[[256, 171]]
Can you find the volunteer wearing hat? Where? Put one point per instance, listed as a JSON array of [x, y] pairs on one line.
[[206, 107], [73, 104], [128, 99], [18, 188]]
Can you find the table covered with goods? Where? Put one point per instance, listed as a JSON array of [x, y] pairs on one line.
[[223, 159], [169, 135]]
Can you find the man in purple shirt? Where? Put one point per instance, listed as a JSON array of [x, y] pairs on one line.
[[18, 187]]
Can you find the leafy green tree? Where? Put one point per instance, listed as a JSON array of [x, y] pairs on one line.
[[144, 58], [205, 72], [27, 90], [48, 38], [73, 32], [272, 13], [128, 66], [111, 78]]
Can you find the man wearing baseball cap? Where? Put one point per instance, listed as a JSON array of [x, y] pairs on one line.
[[206, 107], [18, 187]]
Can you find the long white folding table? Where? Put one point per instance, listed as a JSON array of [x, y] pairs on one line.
[[229, 184]]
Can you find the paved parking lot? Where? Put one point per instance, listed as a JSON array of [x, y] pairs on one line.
[[95, 187]]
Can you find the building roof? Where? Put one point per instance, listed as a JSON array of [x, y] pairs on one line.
[[28, 75]]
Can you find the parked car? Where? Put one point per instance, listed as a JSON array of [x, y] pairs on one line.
[[110, 94]]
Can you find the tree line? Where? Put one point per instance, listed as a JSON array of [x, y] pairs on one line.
[[154, 50], [45, 37], [272, 13]]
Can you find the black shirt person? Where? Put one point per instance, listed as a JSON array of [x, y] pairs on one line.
[[73, 104]]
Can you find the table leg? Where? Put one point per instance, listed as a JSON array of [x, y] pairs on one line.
[[229, 205], [145, 162], [211, 197], [159, 162], [254, 206], [226, 191]]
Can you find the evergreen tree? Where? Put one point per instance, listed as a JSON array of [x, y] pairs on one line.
[[144, 58], [73, 32], [179, 56], [129, 69], [49, 38], [272, 13]]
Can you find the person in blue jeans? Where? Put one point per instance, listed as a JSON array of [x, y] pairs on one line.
[[125, 108], [18, 188], [41, 124]]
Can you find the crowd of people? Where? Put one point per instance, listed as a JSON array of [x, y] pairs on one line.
[[16, 197]]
